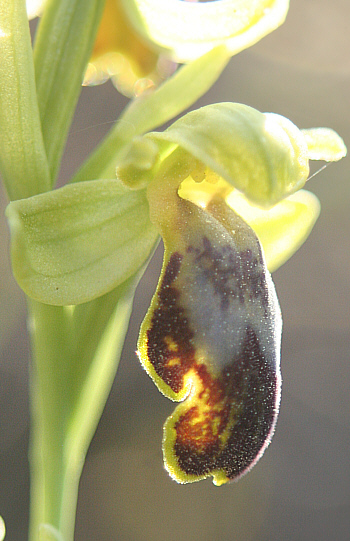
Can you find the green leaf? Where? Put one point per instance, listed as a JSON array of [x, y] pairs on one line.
[[63, 46], [23, 162], [79, 242], [324, 144], [187, 30], [148, 112], [281, 229]]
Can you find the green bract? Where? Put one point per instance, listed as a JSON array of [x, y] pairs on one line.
[[187, 30], [23, 163], [72, 245]]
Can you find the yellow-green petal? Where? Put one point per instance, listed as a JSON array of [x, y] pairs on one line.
[[188, 30], [281, 229], [324, 144]]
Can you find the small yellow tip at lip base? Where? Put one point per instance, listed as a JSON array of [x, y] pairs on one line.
[[220, 479]]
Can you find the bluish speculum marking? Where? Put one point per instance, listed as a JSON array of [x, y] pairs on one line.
[[213, 331]]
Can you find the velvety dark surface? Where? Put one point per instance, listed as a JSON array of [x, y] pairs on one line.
[[300, 490]]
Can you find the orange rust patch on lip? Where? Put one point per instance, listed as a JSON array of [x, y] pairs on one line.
[[230, 414], [201, 426], [228, 430]]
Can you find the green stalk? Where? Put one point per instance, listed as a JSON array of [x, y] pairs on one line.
[[76, 355]]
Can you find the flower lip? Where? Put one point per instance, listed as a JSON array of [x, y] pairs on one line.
[[211, 338]]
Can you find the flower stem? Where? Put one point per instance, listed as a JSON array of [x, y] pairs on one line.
[[76, 353]]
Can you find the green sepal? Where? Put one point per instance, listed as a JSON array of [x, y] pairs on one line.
[[281, 229], [74, 244], [262, 155]]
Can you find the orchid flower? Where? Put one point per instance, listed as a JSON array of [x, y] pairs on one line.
[[139, 41], [222, 186], [211, 337]]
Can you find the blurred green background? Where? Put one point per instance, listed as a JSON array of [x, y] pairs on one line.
[[300, 490]]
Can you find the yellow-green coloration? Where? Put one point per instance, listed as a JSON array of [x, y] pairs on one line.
[[281, 229], [187, 30], [211, 336], [263, 155], [257, 161], [324, 144]]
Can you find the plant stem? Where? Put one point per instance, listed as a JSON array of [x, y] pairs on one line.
[[76, 353]]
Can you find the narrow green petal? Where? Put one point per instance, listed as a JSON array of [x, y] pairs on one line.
[[187, 30], [281, 229], [324, 144], [152, 110], [76, 243]]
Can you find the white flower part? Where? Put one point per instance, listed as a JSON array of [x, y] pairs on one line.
[[190, 29], [34, 8]]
